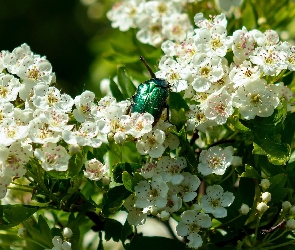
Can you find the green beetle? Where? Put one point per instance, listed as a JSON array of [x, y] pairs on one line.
[[151, 96]]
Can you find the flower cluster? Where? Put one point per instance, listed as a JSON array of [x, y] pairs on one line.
[[164, 191], [213, 87], [156, 20]]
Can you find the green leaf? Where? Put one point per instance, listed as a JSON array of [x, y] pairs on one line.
[[155, 243], [249, 16], [267, 137], [127, 181], [13, 215], [116, 91], [40, 231], [114, 199], [277, 190], [126, 231], [128, 88], [288, 133], [250, 172], [119, 168], [112, 229], [75, 164]]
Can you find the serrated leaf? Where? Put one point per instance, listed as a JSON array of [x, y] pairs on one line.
[[250, 172], [113, 229], [128, 88], [114, 199], [126, 231], [13, 215], [40, 231]]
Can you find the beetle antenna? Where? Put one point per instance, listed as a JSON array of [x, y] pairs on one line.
[[148, 67]]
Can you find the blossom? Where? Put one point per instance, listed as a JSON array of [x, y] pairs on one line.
[[4, 182], [9, 88], [138, 124], [14, 159], [136, 216], [215, 200], [59, 244], [215, 160], [151, 143], [255, 98], [190, 224], [206, 69], [53, 157], [84, 104], [151, 194], [95, 170]]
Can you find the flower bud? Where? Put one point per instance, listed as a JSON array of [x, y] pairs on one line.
[[164, 215], [266, 197], [120, 138], [105, 180], [74, 149], [262, 207], [292, 210], [22, 232], [265, 184], [286, 205], [290, 224], [244, 209], [154, 210], [67, 232]]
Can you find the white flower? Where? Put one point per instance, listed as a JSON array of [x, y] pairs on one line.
[[136, 216], [243, 44], [35, 69], [9, 88], [11, 132], [84, 103], [176, 26], [150, 31], [151, 194], [215, 200], [39, 132], [12, 61], [6, 110], [45, 97], [95, 170], [187, 188], [85, 135], [151, 143], [206, 69], [218, 107], [271, 60], [215, 160], [124, 14], [56, 120], [191, 223], [202, 22], [214, 41], [255, 98], [14, 159], [244, 73], [59, 244], [174, 73], [170, 169], [139, 124], [53, 157]]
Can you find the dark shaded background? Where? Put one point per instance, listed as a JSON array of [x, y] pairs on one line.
[[62, 31]]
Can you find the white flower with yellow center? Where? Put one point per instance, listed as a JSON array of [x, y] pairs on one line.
[[84, 104], [215, 200], [139, 124], [53, 157], [9, 88]]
